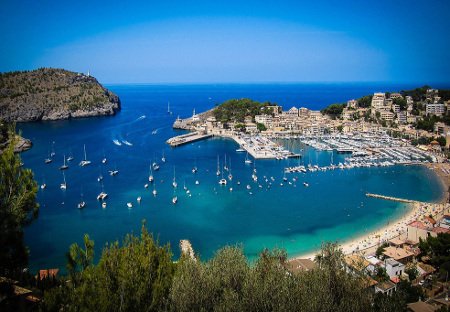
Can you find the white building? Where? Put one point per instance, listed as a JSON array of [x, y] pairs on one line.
[[435, 109], [388, 116], [352, 104], [393, 267], [378, 100]]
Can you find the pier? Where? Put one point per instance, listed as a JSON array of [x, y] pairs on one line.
[[401, 200], [187, 138], [186, 248]]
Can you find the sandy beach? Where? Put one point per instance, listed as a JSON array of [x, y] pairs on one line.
[[367, 244]]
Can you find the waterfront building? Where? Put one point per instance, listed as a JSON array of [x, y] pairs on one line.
[[378, 100], [435, 109], [264, 119]]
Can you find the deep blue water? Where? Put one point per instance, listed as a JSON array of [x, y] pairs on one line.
[[333, 207]]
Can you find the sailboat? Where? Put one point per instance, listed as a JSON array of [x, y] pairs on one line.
[[218, 166], [82, 203], [284, 176], [174, 183], [63, 185], [64, 166], [104, 160], [240, 149], [194, 170], [247, 160], [84, 162], [168, 108], [225, 167], [150, 176], [113, 172], [102, 196], [53, 149], [154, 190], [43, 185], [174, 198], [230, 176], [100, 177], [163, 158], [48, 159], [70, 158]]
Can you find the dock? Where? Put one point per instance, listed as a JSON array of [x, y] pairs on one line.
[[186, 248], [401, 200], [187, 138]]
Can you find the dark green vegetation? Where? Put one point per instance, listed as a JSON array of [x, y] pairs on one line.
[[438, 251], [236, 110], [333, 110], [18, 208], [48, 93], [138, 275]]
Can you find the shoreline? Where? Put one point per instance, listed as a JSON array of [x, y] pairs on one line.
[[368, 243]]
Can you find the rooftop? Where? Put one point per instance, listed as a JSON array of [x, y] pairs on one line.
[[356, 262], [301, 265], [397, 253]]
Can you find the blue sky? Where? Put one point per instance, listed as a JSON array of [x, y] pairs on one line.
[[230, 41]]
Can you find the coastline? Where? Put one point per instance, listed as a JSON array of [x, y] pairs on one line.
[[368, 243]]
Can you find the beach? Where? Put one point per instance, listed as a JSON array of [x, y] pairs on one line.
[[367, 244]]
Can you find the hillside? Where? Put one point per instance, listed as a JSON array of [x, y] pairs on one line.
[[52, 94]]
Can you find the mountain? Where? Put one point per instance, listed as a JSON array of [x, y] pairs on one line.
[[52, 94]]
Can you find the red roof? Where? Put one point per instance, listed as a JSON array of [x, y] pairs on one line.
[[48, 273], [431, 220], [440, 230], [395, 279], [418, 224]]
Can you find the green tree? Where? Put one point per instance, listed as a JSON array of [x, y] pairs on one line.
[[18, 208], [261, 127]]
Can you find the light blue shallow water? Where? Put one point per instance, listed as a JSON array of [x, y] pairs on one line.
[[333, 207]]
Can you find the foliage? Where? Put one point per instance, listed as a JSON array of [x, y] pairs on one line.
[[381, 275], [365, 101], [401, 102], [18, 208], [437, 248], [237, 109], [412, 273], [380, 249], [333, 110], [442, 141], [417, 94], [261, 127], [427, 123], [136, 276]]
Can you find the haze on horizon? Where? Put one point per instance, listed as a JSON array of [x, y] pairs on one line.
[[236, 41]]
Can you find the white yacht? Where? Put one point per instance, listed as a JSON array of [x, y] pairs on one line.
[[63, 185], [64, 166]]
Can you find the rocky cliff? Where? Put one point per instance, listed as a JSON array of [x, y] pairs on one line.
[[51, 94]]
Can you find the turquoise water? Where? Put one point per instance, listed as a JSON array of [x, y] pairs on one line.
[[299, 219]]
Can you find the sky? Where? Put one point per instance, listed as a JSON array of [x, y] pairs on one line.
[[230, 41]]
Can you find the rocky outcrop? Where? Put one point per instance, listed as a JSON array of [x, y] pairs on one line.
[[52, 94]]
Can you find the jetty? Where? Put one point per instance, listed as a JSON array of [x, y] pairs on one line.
[[187, 138], [401, 200], [186, 248]]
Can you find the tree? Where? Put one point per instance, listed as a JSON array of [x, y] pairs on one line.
[[412, 272], [333, 110], [261, 127], [380, 249], [18, 208], [442, 141]]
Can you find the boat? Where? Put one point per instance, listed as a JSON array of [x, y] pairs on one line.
[[305, 184], [113, 172], [48, 159], [146, 185], [174, 182], [53, 149], [231, 189], [104, 205], [240, 150], [155, 166], [81, 205], [154, 192], [168, 108], [43, 186], [194, 170], [84, 162], [104, 160], [184, 186], [197, 182], [247, 160], [139, 199], [225, 166], [223, 181], [163, 158], [129, 205], [174, 200], [150, 176], [70, 158], [249, 187], [218, 166], [64, 166], [63, 185]]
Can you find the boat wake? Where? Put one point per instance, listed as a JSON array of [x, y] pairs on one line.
[[142, 117], [117, 142], [127, 143]]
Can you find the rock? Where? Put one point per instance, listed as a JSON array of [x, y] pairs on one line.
[[53, 94]]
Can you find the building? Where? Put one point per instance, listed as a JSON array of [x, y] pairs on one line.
[[386, 287], [378, 100], [399, 254], [393, 267], [303, 112], [396, 108], [435, 109], [388, 116], [300, 265], [352, 104], [420, 306], [293, 111], [356, 264], [401, 117], [276, 109], [264, 119], [396, 96]]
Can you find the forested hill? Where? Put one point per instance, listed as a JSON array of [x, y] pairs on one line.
[[51, 94]]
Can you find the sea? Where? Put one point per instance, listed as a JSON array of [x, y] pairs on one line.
[[291, 217]]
